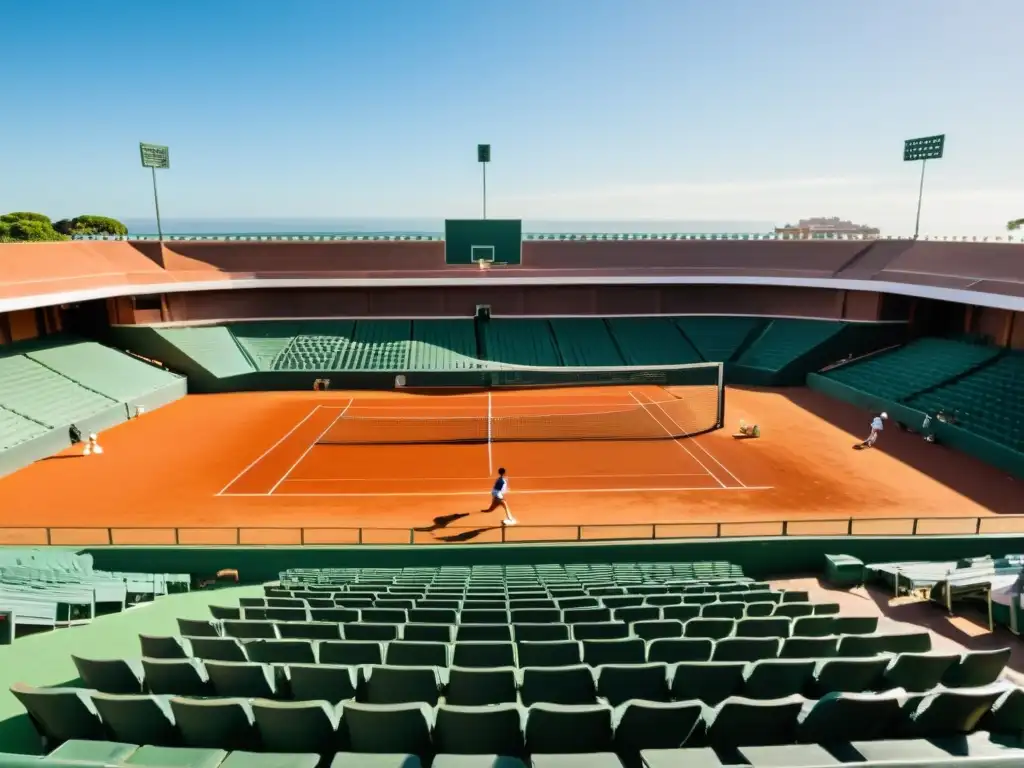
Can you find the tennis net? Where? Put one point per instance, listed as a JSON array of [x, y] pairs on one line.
[[670, 402]]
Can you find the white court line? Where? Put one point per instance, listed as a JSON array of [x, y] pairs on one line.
[[605, 402], [676, 440], [697, 442], [577, 491], [475, 479], [308, 449], [490, 443], [267, 452]]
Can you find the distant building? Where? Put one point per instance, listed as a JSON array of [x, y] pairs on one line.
[[831, 225]]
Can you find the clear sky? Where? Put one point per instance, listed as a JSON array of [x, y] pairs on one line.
[[596, 109]]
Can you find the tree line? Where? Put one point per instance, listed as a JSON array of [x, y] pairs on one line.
[[27, 227]]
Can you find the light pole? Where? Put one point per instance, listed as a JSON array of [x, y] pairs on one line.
[[924, 149]]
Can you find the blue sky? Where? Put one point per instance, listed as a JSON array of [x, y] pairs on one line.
[[596, 109]]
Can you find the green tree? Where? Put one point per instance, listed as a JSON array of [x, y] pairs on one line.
[[90, 225], [1015, 224], [24, 226]]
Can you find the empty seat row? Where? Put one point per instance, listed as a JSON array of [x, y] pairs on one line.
[[509, 729], [672, 625], [500, 653], [568, 683], [734, 604], [523, 592]]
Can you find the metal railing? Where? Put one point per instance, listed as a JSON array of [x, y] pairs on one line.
[[257, 535]]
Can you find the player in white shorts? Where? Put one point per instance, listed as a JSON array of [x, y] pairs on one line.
[[498, 491], [877, 425]]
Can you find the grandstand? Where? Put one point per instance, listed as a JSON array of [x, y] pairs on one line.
[[624, 664]]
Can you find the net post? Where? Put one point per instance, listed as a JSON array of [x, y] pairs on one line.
[[721, 395]]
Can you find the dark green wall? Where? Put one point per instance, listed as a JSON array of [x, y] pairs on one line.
[[759, 557]]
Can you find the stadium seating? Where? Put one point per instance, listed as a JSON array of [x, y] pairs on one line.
[[988, 401], [315, 351], [16, 429], [607, 664], [522, 342], [213, 347], [377, 345], [784, 341], [585, 341], [264, 341], [900, 373], [442, 345], [718, 339], [43, 395], [652, 341], [101, 369]]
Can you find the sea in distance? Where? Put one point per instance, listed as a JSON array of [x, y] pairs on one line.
[[399, 226]]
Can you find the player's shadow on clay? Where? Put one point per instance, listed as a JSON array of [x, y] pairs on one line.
[[441, 521]]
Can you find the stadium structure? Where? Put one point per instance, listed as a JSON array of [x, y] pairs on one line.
[[278, 559]]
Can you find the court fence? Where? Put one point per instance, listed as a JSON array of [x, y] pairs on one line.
[[220, 536]]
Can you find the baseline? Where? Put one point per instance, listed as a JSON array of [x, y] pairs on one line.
[[535, 492], [262, 456]]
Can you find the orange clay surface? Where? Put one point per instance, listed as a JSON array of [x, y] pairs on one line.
[[246, 468]]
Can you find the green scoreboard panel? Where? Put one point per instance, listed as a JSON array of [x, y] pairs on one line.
[[468, 241]]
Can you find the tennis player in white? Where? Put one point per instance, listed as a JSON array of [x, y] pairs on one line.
[[877, 425], [498, 491]]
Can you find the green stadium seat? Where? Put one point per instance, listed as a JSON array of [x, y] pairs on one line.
[[849, 675], [521, 342], [578, 760], [242, 679], [468, 687], [492, 730], [949, 712], [794, 610], [199, 628], [786, 340], [323, 682], [722, 611], [549, 653], [379, 760], [110, 675], [976, 668], [60, 713], [740, 722], [250, 630], [854, 625], [573, 684], [629, 650], [477, 761], [222, 612], [680, 612], [349, 652], [309, 630], [484, 654], [788, 756], [600, 630], [105, 752], [216, 723], [746, 648], [399, 685], [413, 654], [822, 647], [918, 672], [870, 645], [562, 729], [771, 626], [777, 678], [428, 633], [618, 683], [298, 726], [814, 626], [717, 339], [177, 757], [641, 725], [540, 632], [585, 341], [483, 633], [389, 729], [138, 719], [215, 648], [653, 630], [708, 681], [673, 650], [243, 759], [360, 632], [712, 629], [155, 647], [281, 651], [443, 345], [176, 677], [843, 717]]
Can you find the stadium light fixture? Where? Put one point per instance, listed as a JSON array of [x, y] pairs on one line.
[[924, 149], [483, 156], [155, 156]]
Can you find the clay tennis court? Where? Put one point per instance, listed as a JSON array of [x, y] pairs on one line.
[[257, 468]]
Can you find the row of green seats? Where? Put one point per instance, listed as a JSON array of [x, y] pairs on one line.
[[900, 373], [718, 339], [585, 341], [522, 342], [16, 429], [213, 347], [652, 341], [785, 340], [38, 393]]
